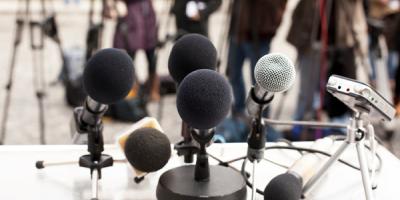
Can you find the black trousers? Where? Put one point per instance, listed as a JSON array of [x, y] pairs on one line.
[[151, 60]]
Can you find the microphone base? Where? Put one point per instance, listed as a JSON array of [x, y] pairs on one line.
[[179, 183]]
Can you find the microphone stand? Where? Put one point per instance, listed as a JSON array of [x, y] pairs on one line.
[[357, 132], [208, 181], [256, 140], [95, 160]]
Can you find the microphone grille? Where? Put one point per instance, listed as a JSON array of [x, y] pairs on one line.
[[275, 72]]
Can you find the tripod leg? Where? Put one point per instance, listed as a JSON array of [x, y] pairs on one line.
[[95, 184], [308, 186], [372, 141], [18, 35], [364, 170], [38, 73]]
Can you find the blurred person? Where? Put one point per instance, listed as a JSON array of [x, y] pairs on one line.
[[382, 18], [253, 25], [397, 78], [191, 16], [326, 45], [68, 1], [137, 30]]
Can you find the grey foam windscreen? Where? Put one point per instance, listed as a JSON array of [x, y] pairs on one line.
[[284, 187], [275, 72]]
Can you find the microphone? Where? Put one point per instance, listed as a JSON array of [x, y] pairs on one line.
[[204, 99], [273, 73], [288, 186], [147, 149], [145, 146], [190, 53], [107, 78]]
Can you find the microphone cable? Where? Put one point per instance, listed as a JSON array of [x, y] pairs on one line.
[[291, 147]]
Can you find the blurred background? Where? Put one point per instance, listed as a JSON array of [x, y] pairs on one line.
[[50, 41]]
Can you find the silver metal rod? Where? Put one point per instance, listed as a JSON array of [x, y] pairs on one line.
[[253, 189], [120, 161], [305, 123], [325, 168], [95, 184], [49, 164], [364, 170]]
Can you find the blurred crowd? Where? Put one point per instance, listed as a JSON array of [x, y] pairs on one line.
[[357, 39]]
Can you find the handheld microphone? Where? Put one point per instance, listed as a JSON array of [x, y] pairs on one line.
[[273, 73], [107, 78], [190, 53], [288, 186]]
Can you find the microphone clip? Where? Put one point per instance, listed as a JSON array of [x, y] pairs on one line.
[[256, 141]]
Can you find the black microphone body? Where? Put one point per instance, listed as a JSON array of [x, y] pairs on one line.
[[258, 99], [84, 118]]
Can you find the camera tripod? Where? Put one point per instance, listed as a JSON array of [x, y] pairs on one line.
[[38, 29], [357, 132]]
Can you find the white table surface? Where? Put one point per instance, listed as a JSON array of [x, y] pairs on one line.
[[19, 179]]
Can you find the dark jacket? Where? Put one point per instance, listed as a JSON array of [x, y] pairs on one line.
[[305, 23], [186, 24], [256, 19]]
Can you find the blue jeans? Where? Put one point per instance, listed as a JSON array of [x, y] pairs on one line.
[[238, 52]]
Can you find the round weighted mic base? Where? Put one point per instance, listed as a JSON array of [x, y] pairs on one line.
[[224, 184]]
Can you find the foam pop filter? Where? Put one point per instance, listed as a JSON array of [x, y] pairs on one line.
[[108, 75], [204, 99], [283, 187], [191, 52], [147, 149]]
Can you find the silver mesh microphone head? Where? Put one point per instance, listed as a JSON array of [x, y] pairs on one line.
[[275, 72]]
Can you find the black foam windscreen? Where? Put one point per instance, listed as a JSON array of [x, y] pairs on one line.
[[204, 99], [108, 75], [284, 187], [191, 52], [147, 149]]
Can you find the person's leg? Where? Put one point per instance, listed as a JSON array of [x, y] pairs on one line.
[[308, 65], [235, 64], [152, 81], [255, 52]]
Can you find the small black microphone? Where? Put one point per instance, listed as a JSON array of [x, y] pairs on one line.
[[107, 78], [190, 53], [204, 99], [147, 149]]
